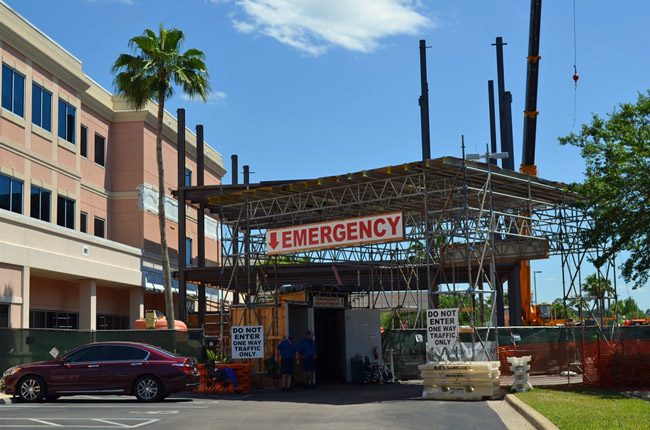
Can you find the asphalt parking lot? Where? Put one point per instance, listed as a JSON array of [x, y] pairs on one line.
[[329, 407]]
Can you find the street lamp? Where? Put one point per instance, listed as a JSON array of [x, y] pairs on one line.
[[535, 283]]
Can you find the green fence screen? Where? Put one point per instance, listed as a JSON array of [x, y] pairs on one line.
[[28, 345]]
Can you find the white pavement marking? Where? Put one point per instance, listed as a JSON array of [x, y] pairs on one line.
[[73, 406], [45, 422], [110, 422], [95, 423]]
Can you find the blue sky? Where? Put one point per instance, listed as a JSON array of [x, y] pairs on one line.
[[306, 88]]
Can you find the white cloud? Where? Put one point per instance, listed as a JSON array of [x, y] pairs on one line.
[[214, 97], [314, 26]]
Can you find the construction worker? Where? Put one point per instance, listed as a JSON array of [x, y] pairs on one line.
[[287, 352], [307, 351]]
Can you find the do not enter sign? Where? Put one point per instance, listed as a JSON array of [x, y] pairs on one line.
[[442, 331]]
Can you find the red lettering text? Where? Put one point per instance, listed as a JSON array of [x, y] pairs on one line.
[[378, 232], [393, 224], [325, 233], [352, 231], [365, 229], [313, 235], [286, 239], [299, 237], [339, 232]]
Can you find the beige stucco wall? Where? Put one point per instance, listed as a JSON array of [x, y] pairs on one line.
[[54, 294]]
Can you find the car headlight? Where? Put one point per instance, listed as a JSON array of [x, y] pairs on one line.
[[11, 371]]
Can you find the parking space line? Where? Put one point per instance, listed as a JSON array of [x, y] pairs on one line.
[[101, 420], [121, 405], [45, 422], [145, 423], [87, 423]]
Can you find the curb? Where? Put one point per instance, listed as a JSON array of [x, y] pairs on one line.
[[6, 400], [537, 420]]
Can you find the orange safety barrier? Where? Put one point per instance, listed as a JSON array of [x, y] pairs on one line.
[[243, 372]]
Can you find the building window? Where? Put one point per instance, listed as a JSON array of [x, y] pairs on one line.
[[53, 319], [99, 227], [188, 177], [41, 107], [112, 322], [84, 141], [13, 91], [67, 115], [100, 143], [11, 194], [83, 222], [4, 316], [188, 251], [65, 212], [40, 202]]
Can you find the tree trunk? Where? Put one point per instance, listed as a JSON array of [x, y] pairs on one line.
[[169, 298]]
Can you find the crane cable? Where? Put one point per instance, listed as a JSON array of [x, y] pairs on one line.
[[575, 67]]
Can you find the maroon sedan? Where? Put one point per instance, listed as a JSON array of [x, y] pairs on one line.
[[147, 372]]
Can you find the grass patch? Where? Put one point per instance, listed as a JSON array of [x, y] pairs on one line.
[[581, 408]]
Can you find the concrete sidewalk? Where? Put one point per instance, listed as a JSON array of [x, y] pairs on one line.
[[5, 399]]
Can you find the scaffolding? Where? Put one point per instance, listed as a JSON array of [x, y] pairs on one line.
[[468, 227]]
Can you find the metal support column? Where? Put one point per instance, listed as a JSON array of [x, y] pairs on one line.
[[493, 127], [505, 127], [424, 103], [247, 241], [234, 172]]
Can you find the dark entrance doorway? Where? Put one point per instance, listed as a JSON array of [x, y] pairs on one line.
[[330, 342]]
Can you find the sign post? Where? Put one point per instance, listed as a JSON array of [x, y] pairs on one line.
[[442, 333], [247, 342]]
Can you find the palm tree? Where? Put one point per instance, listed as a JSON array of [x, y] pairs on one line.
[[598, 288], [150, 74]]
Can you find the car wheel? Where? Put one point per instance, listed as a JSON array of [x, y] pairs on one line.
[[31, 389], [148, 389]]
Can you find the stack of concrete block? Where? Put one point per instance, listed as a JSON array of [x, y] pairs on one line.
[[520, 366], [460, 380]]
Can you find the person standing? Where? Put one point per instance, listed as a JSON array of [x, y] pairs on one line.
[[287, 351], [307, 351]]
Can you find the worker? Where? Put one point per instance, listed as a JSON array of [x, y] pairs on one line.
[[307, 353], [287, 351]]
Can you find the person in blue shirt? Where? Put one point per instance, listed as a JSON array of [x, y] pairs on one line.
[[287, 351], [307, 351]]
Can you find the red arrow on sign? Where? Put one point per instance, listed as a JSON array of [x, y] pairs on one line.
[[274, 240]]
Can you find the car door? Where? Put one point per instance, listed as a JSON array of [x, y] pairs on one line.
[[78, 372], [120, 366]]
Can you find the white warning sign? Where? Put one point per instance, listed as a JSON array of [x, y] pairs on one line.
[[247, 341], [442, 333]]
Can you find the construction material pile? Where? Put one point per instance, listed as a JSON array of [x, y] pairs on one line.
[[460, 380]]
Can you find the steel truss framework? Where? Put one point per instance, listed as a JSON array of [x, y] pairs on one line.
[[467, 225]]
